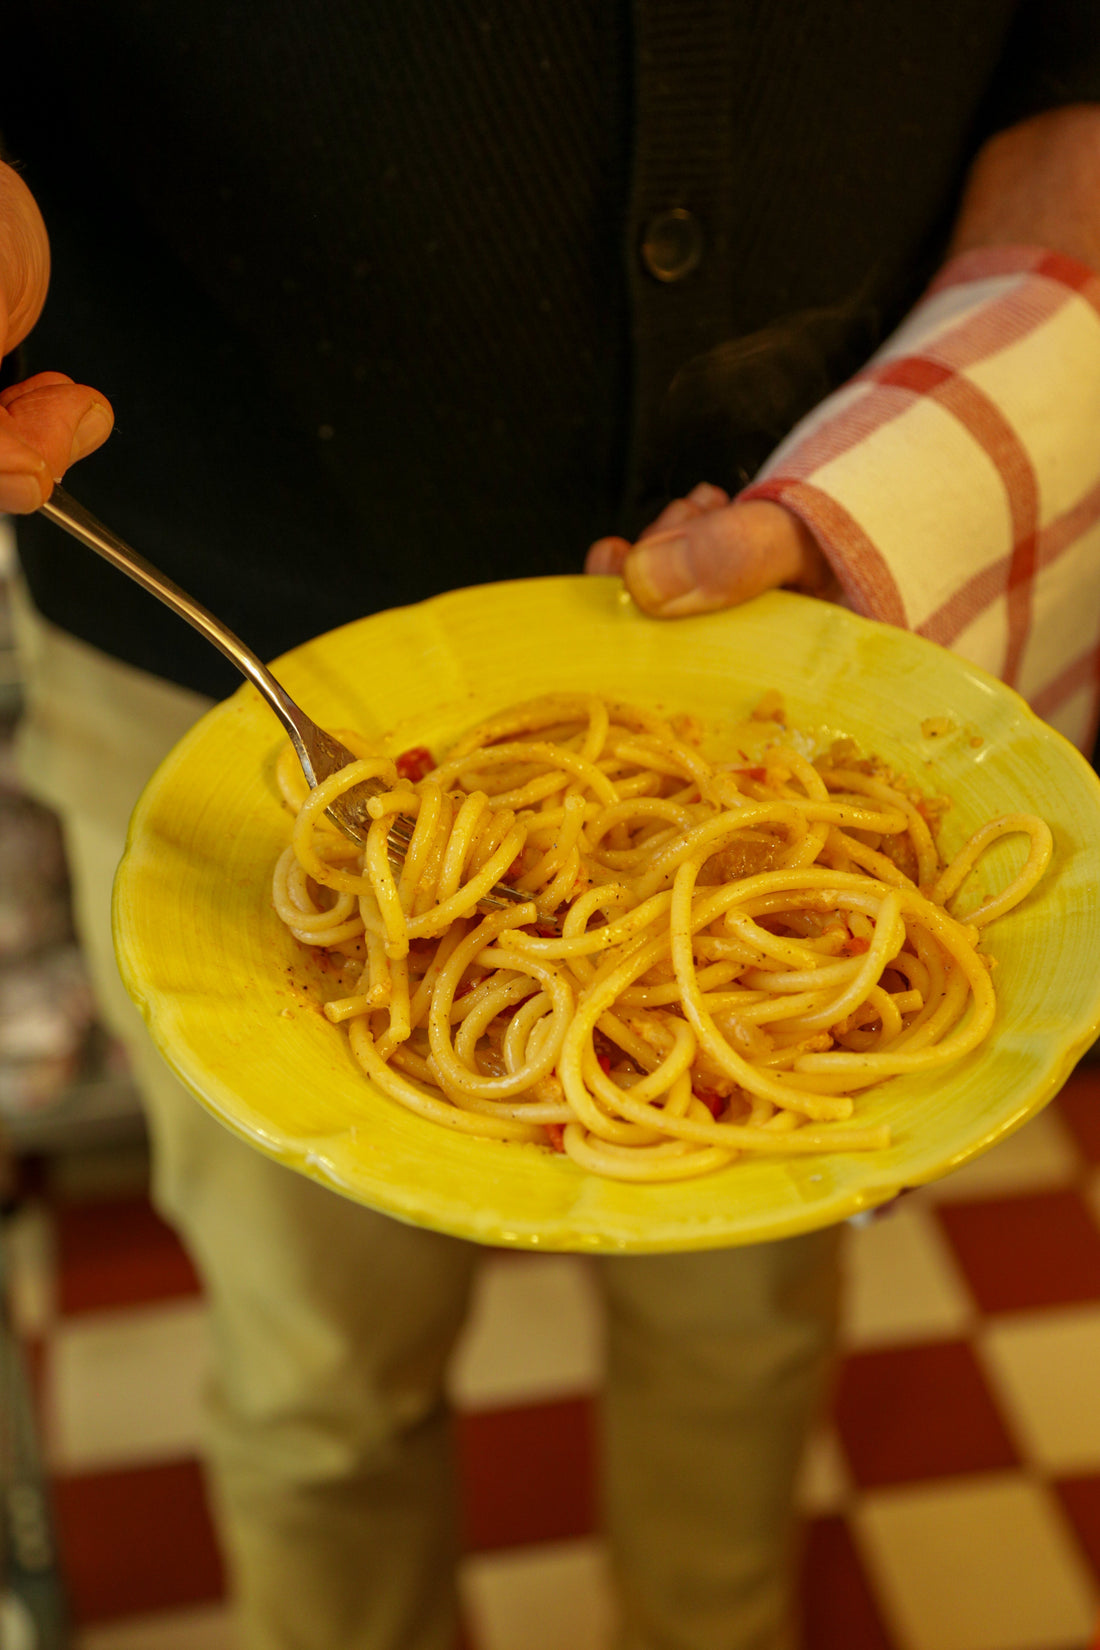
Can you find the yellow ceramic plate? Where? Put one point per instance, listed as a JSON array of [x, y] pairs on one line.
[[231, 999]]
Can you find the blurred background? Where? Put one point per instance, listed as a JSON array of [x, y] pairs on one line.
[[951, 1495], [62, 1081]]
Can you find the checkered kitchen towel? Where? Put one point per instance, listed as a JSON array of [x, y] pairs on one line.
[[954, 483]]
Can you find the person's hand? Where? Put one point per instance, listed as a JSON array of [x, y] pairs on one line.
[[1035, 184], [47, 422], [706, 551]]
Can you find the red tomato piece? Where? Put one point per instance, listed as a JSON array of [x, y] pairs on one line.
[[415, 764]]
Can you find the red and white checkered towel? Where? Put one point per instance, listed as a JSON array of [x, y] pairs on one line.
[[954, 483]]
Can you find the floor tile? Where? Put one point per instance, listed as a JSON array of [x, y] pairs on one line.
[[1023, 1252], [1080, 1496], [1045, 1369], [1041, 1154], [534, 1333], [985, 1563], [901, 1281], [136, 1542], [125, 1387], [921, 1532], [551, 1598], [918, 1412], [1079, 1103], [528, 1474], [839, 1611], [178, 1630], [117, 1252]]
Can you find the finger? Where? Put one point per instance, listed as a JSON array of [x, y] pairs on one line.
[[707, 496], [696, 503], [41, 380], [25, 480], [607, 556], [46, 424], [24, 260], [723, 557]]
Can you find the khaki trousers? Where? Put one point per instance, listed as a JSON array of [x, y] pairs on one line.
[[329, 1445]]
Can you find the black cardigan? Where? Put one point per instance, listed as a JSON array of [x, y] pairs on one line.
[[381, 295]]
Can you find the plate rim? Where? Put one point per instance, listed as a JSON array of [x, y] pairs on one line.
[[325, 1169]]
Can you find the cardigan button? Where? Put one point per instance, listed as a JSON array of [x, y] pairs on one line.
[[672, 244]]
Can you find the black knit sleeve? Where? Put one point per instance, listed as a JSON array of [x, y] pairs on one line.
[[1052, 58]]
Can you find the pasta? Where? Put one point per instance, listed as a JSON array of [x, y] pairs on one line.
[[704, 959]]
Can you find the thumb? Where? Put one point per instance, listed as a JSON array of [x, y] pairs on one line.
[[722, 558], [46, 424]]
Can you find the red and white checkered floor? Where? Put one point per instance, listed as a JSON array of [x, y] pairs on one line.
[[952, 1501]]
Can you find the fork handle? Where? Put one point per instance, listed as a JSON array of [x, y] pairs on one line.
[[78, 521]]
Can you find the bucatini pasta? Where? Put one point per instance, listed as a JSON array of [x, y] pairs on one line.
[[709, 958]]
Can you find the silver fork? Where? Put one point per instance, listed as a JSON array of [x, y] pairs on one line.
[[320, 754]]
